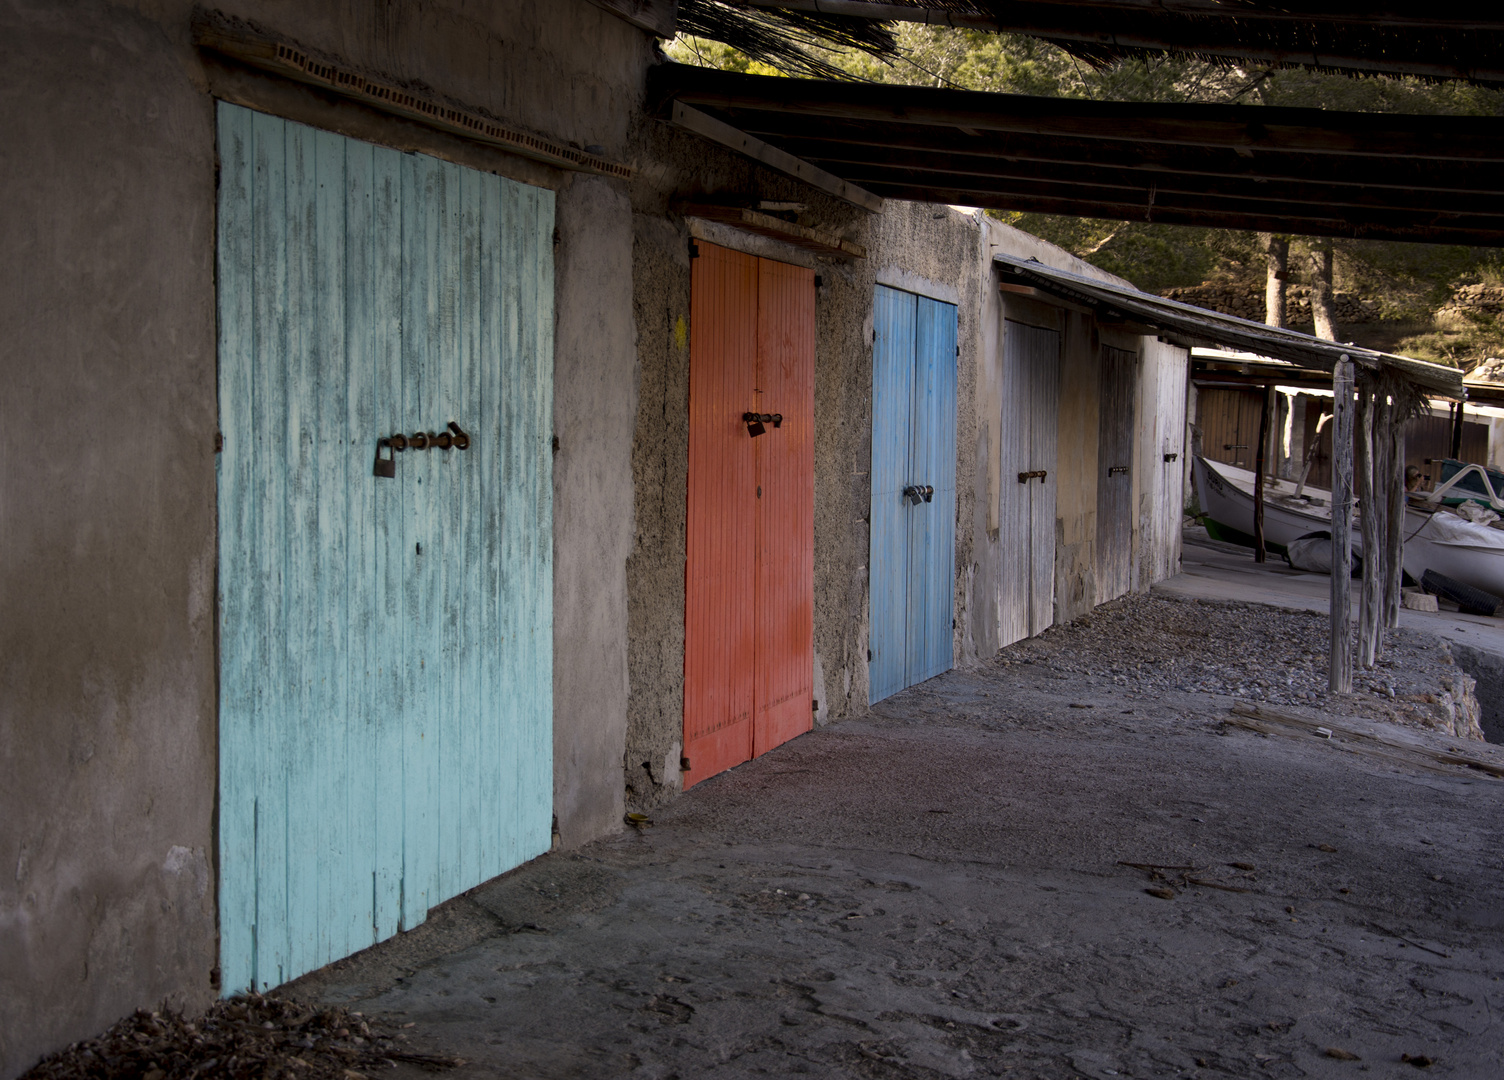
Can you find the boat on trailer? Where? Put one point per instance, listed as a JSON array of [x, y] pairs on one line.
[[1436, 537]]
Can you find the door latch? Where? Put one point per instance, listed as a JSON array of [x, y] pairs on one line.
[[918, 493], [755, 422]]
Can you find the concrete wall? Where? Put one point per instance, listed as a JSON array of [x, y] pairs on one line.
[[107, 493]]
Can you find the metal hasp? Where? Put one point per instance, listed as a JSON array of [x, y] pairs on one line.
[[755, 422], [1171, 457], [386, 468], [1032, 474], [1115, 470]]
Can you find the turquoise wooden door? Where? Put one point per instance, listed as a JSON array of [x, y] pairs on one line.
[[385, 643], [912, 559]]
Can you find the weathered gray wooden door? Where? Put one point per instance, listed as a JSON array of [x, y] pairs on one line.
[[385, 643], [1027, 458], [1117, 419]]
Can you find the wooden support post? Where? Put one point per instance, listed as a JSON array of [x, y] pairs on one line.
[[1260, 468], [1394, 522], [1457, 432], [1341, 672], [1370, 518]]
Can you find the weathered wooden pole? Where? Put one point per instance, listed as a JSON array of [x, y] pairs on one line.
[[1394, 521], [1370, 519], [1457, 432], [1260, 468], [1341, 673]]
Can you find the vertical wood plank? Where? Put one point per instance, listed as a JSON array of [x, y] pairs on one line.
[[720, 569], [271, 721], [1340, 675], [240, 645], [328, 443], [1117, 416], [783, 643], [422, 211], [385, 656], [932, 551], [893, 324], [354, 903], [1044, 363], [1393, 491], [1369, 520]]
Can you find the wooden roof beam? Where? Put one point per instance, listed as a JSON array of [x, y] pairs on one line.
[[709, 127], [919, 167], [1400, 174], [1417, 15], [1381, 136], [1156, 202], [1224, 219]]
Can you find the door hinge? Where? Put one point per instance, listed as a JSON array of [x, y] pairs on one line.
[[869, 656], [953, 624], [694, 251], [814, 705], [555, 444], [684, 764], [819, 281], [219, 442], [958, 350]]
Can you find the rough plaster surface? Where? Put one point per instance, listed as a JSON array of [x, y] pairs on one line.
[[931, 250], [107, 722], [595, 407], [938, 890], [107, 743]]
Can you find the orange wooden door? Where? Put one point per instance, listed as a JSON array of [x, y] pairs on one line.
[[783, 649], [749, 559]]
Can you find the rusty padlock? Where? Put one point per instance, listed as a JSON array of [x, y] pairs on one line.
[[387, 466]]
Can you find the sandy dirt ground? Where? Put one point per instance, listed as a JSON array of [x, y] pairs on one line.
[[947, 888]]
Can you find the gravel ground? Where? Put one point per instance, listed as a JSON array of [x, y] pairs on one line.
[[1061, 864]]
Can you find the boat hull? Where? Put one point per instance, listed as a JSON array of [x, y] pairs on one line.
[[1227, 504]]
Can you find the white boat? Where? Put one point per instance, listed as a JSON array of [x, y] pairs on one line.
[[1435, 538], [1226, 496]]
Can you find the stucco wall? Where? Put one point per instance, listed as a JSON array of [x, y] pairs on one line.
[[107, 493], [926, 249], [107, 524]]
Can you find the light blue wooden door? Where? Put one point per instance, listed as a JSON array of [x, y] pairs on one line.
[[911, 563], [385, 644]]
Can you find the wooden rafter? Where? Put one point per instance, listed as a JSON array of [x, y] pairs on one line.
[[1307, 171]]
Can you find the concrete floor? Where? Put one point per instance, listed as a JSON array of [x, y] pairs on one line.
[[1216, 571], [940, 891]]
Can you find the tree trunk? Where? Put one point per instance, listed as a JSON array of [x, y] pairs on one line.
[[1277, 248], [1323, 306]]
